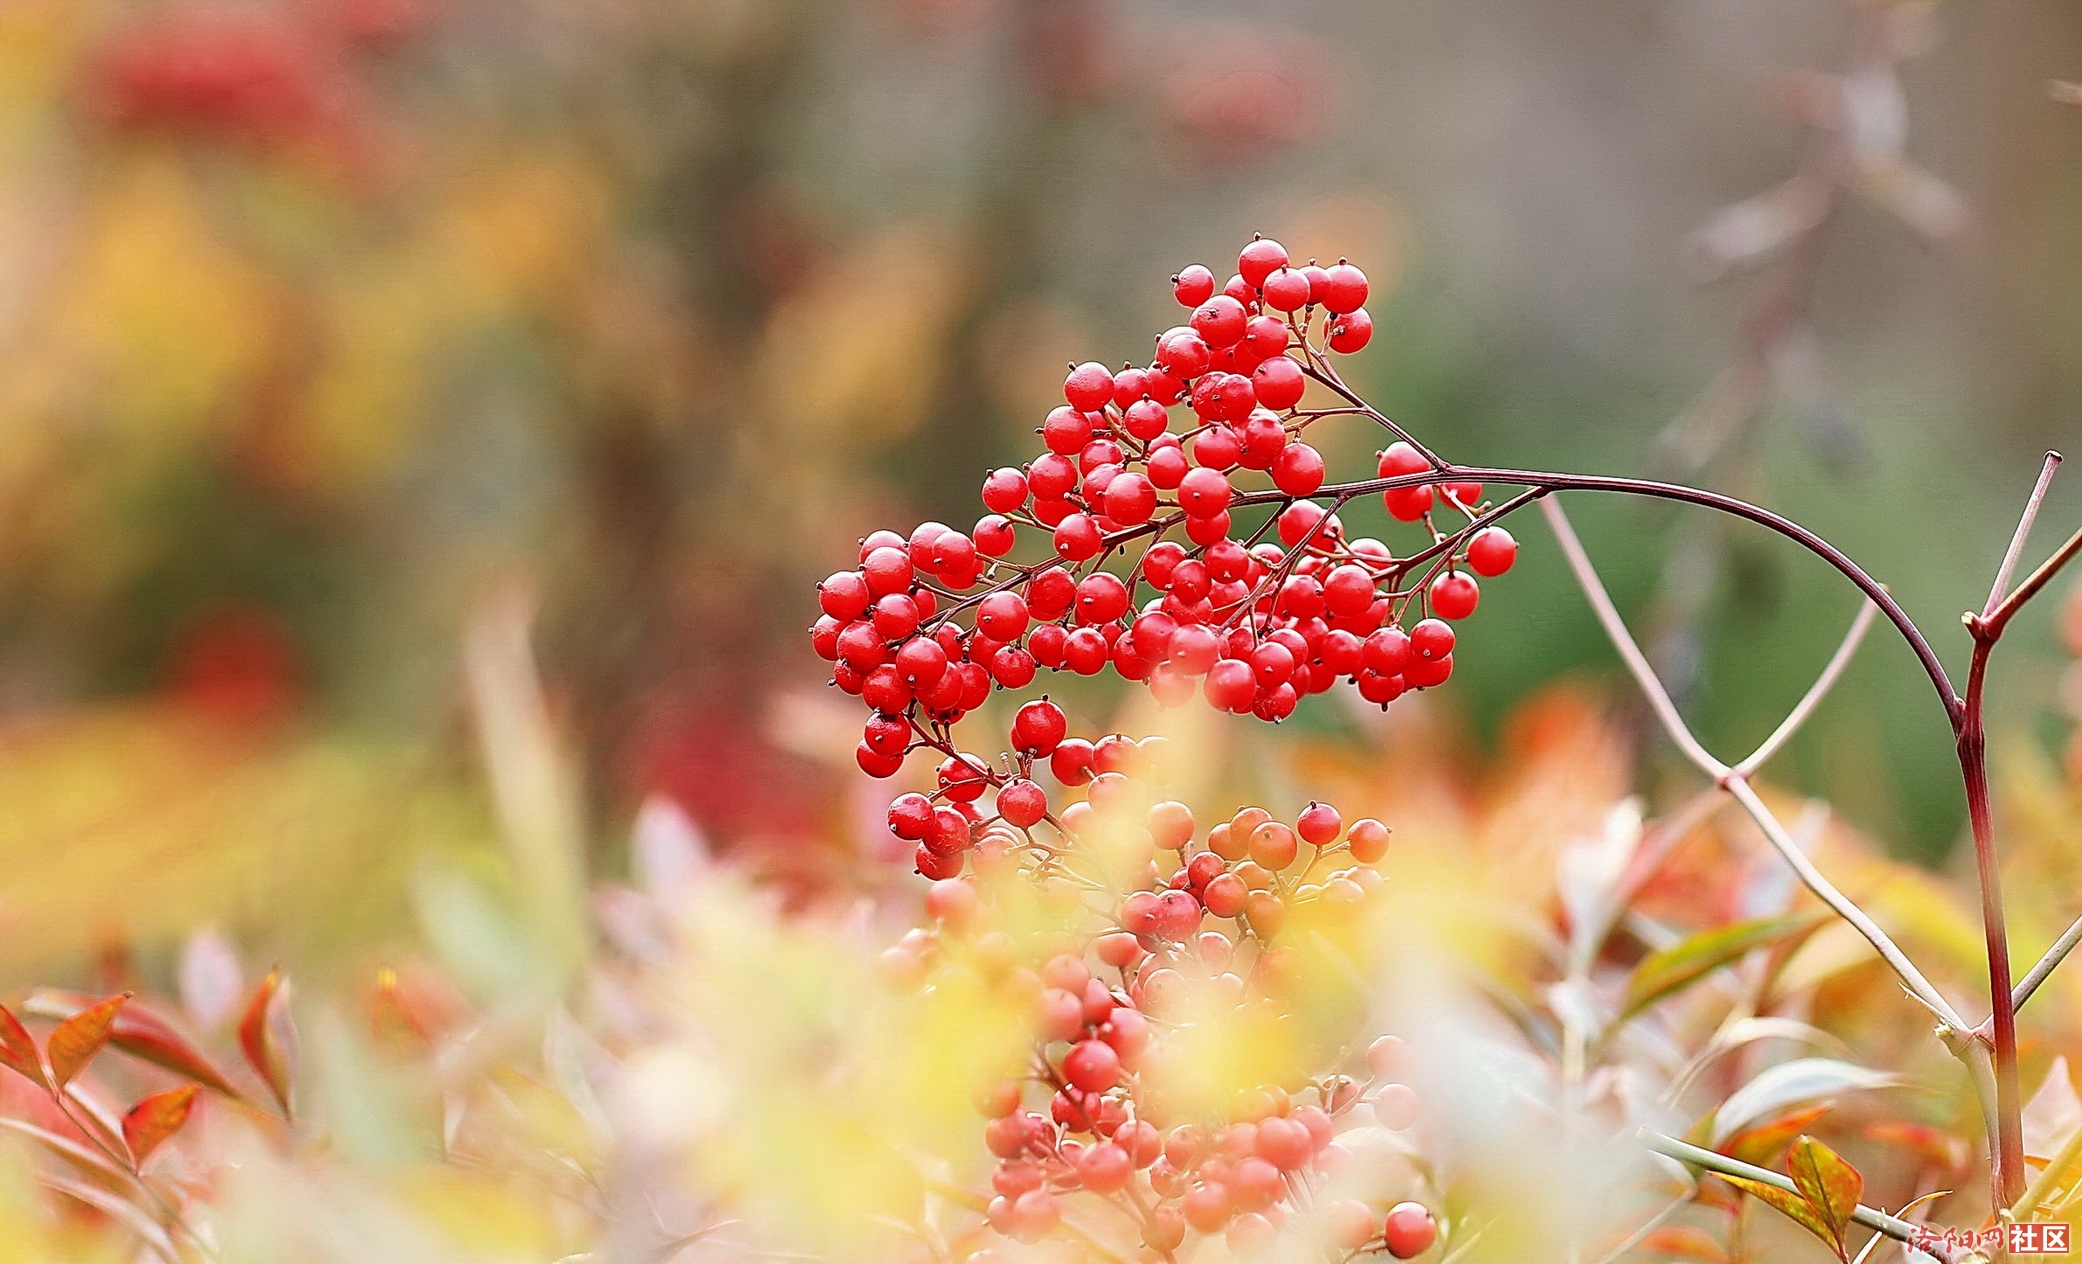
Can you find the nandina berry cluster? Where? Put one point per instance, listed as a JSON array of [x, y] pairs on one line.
[[1188, 928], [1253, 617]]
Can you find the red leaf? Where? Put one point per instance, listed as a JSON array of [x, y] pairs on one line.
[[1763, 1144], [259, 1040], [1830, 1183], [141, 1033], [73, 1045], [156, 1118], [18, 1049]]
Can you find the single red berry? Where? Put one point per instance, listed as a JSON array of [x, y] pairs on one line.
[[1002, 616], [1051, 476], [1231, 685], [1086, 652], [1192, 286], [1219, 321], [1430, 640], [1368, 840], [1092, 1066], [1078, 538], [1089, 387], [994, 535], [1038, 728], [1104, 1168], [1206, 1207], [1035, 1214], [1170, 825], [1071, 763], [1022, 803], [1101, 598], [1066, 431], [844, 596], [1217, 448], [1286, 290], [1259, 260], [1343, 288], [876, 764], [1225, 894], [953, 901], [1351, 332], [1273, 845], [1347, 1222], [887, 570], [1278, 383], [1204, 493], [1410, 1230], [1492, 551], [1319, 824], [1183, 354], [1454, 595]]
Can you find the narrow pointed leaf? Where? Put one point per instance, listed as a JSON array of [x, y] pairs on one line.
[[1789, 1084], [18, 1049], [260, 1041], [75, 1042], [156, 1118], [1830, 1183], [1763, 1144], [1693, 958], [141, 1033], [83, 1157], [1791, 1205]]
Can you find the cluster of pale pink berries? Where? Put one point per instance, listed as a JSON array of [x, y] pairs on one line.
[[1193, 926], [1253, 617]]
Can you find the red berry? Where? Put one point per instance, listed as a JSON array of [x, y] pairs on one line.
[[1396, 1106], [1206, 1207], [1104, 1168], [1183, 354], [1231, 685], [1278, 383], [1273, 845], [1204, 493], [1092, 1065], [1319, 824], [1410, 1230], [1425, 673], [994, 536], [1078, 538], [1287, 290], [1066, 431], [1089, 387], [1259, 260], [1002, 616], [1492, 551], [1170, 825], [1022, 803], [1454, 594], [1346, 1222], [1368, 840], [1219, 321], [953, 901], [1071, 763], [844, 596], [1351, 332], [1217, 448], [1430, 640], [1038, 729], [1343, 288], [876, 764], [1192, 286]]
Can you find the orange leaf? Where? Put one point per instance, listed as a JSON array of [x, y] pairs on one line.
[[1685, 1242], [73, 1045], [18, 1048], [1794, 1207], [1763, 1144], [156, 1118], [141, 1033], [260, 1042], [1830, 1183]]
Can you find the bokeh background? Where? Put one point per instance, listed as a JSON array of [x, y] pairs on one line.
[[327, 326]]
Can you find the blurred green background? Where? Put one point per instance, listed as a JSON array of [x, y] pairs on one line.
[[325, 322]]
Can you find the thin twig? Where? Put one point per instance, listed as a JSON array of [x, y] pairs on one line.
[[2054, 956], [1734, 782], [1815, 693], [1623, 641], [2024, 521]]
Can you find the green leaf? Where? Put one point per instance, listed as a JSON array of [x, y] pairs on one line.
[[1832, 1185], [1697, 956], [1794, 1207]]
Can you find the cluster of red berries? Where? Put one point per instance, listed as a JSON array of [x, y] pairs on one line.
[[1254, 618], [1157, 925], [1194, 928]]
